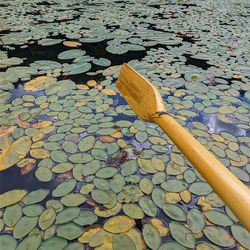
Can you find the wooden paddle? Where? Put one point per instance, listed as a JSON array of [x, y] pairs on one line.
[[147, 103]]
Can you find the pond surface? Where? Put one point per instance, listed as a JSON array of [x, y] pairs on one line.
[[78, 168]]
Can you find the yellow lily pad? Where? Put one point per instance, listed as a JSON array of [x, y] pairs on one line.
[[39, 153], [119, 224], [11, 197], [39, 83], [88, 233], [14, 152]]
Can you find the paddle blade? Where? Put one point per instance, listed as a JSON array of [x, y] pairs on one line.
[[140, 94]]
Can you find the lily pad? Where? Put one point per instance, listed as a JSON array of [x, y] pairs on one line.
[[146, 185], [119, 224], [47, 218], [35, 196], [86, 217], [200, 188], [219, 236], [151, 236], [67, 215], [50, 243], [64, 188], [31, 242], [148, 206], [73, 199], [69, 231], [11, 197], [24, 226], [195, 221], [241, 235], [133, 211], [12, 215], [7, 242], [182, 234], [218, 218], [174, 212], [122, 242]]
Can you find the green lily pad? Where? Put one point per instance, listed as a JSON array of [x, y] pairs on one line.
[[122, 242], [99, 154], [174, 212], [241, 235], [56, 204], [7, 242], [102, 62], [117, 183], [86, 143], [31, 242], [67, 215], [47, 218], [218, 218], [151, 236], [158, 196], [74, 246], [146, 185], [73, 199], [33, 210], [71, 54], [101, 184], [35, 196], [219, 236], [86, 217], [61, 157], [100, 196], [200, 188], [106, 172], [64, 188], [24, 226], [43, 174], [129, 167], [133, 211], [12, 215], [182, 234], [69, 231], [148, 206], [50, 243], [195, 220], [173, 186]]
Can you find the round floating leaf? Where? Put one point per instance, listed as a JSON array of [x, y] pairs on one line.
[[146, 166], [43, 174], [189, 176], [119, 224], [14, 152], [133, 211], [173, 186], [129, 167], [219, 236], [218, 218], [141, 136], [172, 245], [64, 188], [69, 231], [146, 186], [158, 196], [108, 212], [100, 196], [60, 156], [67, 215], [117, 183], [24, 226], [11, 197], [99, 154], [47, 218], [7, 242], [122, 242], [151, 236], [85, 218], [50, 243], [74, 246], [31, 242], [174, 212], [86, 143], [35, 196], [12, 215], [182, 234], [73, 199], [106, 172], [195, 221], [148, 206], [71, 54], [200, 188], [33, 210], [102, 62], [241, 235]]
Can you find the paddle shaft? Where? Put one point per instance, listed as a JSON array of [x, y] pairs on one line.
[[229, 188]]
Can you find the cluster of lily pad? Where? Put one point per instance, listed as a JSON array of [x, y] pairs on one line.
[[119, 182]]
